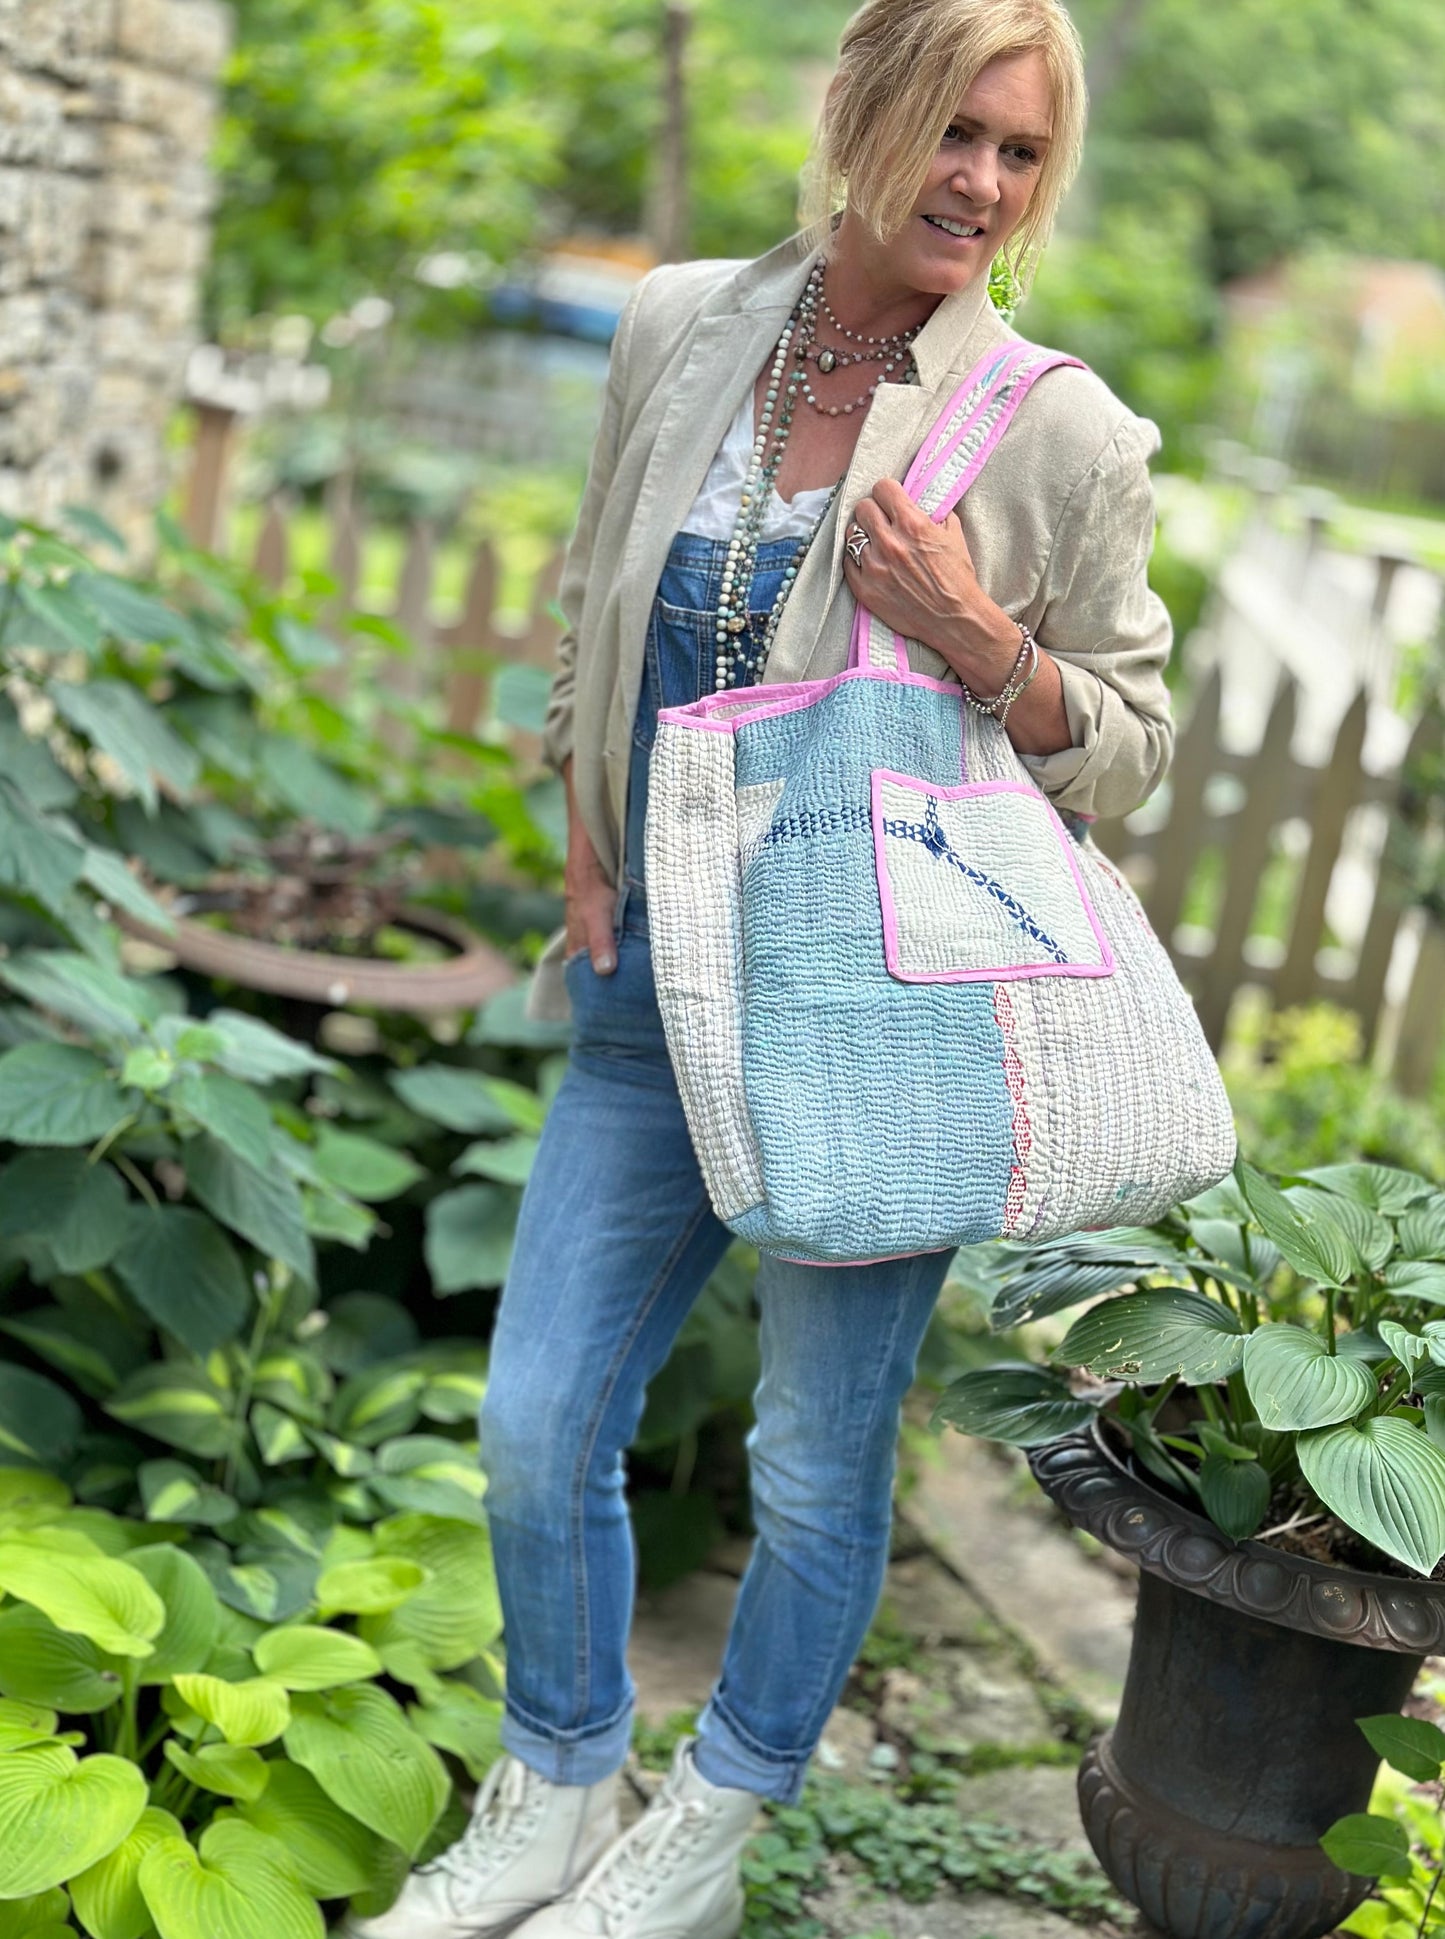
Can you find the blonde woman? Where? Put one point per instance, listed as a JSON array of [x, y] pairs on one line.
[[743, 495]]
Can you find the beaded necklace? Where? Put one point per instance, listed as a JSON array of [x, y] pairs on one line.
[[741, 654]]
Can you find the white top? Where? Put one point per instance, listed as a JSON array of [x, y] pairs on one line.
[[715, 509]]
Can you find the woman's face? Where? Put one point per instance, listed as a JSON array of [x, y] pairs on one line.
[[981, 179]]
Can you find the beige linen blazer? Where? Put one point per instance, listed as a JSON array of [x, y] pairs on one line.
[[1060, 525]]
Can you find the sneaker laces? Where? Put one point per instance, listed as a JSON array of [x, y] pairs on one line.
[[505, 1815], [642, 1859]]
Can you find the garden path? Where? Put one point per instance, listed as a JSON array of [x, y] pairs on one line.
[[942, 1805]]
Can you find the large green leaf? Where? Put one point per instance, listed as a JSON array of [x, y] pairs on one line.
[[1384, 1188], [38, 857], [42, 1913], [27, 1495], [310, 788], [1151, 1336], [1022, 1406], [278, 1436], [230, 1110], [258, 1053], [108, 875], [469, 1235], [362, 1166], [177, 1404], [241, 1886], [249, 1713], [127, 611], [173, 1492], [430, 1474], [39, 1421], [92, 1346], [1317, 1248], [1384, 1479], [1409, 1745], [364, 1754], [228, 1770], [42, 1664], [455, 1614], [107, 1896], [1407, 1347], [1371, 1236], [1296, 1382], [1416, 1279], [459, 1719], [507, 1160], [272, 1585], [334, 1854], [90, 1595], [1422, 1231], [263, 1206], [193, 1615], [1038, 1281], [78, 1208], [24, 1723], [1368, 1845], [57, 1094], [377, 1404], [370, 1586], [460, 1099], [184, 1273], [117, 719], [60, 1814], [1234, 1494], [100, 1000], [303, 1656]]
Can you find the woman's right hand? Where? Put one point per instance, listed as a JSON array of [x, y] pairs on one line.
[[590, 897]]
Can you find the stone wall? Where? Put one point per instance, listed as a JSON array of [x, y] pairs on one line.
[[107, 110]]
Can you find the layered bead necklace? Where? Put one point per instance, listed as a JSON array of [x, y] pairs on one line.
[[740, 658]]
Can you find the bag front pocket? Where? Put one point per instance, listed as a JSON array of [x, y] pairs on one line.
[[979, 884]]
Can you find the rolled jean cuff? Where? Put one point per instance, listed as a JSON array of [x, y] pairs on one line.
[[725, 1755], [570, 1757]]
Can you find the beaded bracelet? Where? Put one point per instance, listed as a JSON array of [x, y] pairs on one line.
[[1012, 686]]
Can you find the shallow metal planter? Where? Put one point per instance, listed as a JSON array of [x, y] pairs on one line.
[[1236, 1744]]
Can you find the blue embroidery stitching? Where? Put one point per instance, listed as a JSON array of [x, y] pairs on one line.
[[931, 836]]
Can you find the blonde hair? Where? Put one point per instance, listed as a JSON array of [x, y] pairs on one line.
[[903, 68]]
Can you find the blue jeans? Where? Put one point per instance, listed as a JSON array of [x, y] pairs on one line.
[[615, 1241]]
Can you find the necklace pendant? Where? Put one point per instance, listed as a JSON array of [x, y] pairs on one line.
[[736, 625], [826, 361]]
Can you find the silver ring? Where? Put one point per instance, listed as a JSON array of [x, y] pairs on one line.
[[854, 543]]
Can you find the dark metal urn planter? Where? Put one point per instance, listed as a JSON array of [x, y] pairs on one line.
[[1236, 1744]]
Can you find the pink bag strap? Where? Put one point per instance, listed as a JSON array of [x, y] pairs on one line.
[[951, 457]]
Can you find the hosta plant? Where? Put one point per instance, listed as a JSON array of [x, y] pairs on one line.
[[168, 1762], [1273, 1351]]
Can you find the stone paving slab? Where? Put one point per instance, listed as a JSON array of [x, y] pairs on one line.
[[995, 1528], [981, 1915], [962, 1664]]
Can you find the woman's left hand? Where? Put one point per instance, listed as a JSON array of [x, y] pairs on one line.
[[918, 578]]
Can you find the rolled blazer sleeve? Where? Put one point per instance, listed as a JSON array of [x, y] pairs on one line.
[[1110, 635], [557, 727]]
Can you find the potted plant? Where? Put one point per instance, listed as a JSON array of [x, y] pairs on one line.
[[1255, 1414]]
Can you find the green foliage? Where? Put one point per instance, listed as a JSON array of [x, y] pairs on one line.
[[1401, 1839], [1303, 1095], [157, 1807], [1266, 1343], [901, 1850], [360, 138]]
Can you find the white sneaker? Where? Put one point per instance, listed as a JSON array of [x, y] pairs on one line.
[[674, 1875], [529, 1841]]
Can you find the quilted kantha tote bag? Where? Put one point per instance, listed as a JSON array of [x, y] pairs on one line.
[[908, 1005]]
